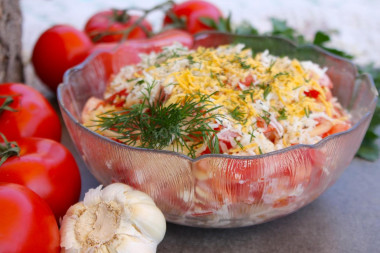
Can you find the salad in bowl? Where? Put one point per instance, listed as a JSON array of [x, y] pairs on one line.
[[236, 131]]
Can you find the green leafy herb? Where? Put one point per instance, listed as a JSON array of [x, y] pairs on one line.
[[282, 114], [266, 117], [191, 59], [261, 152], [267, 91], [237, 115], [139, 82], [280, 74], [269, 70], [369, 149], [307, 111], [153, 125], [238, 143], [252, 136], [245, 28], [320, 38], [223, 24]]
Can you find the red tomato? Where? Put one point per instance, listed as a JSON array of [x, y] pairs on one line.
[[114, 21], [192, 11], [340, 127], [32, 115], [154, 43], [312, 93], [58, 49], [27, 223], [47, 168]]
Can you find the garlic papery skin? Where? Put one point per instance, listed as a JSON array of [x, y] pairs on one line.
[[116, 219]]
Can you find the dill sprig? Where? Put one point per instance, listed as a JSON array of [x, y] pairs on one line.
[[266, 117], [237, 114], [280, 74], [282, 114], [307, 111], [156, 126]]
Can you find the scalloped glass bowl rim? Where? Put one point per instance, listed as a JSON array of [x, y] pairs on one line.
[[290, 148]]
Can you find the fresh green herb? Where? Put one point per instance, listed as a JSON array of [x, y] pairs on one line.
[[245, 28], [191, 59], [212, 75], [267, 91], [307, 111], [238, 143], [139, 82], [369, 149], [131, 80], [242, 63], [269, 70], [237, 115], [242, 97], [220, 82], [297, 87], [252, 136], [282, 114], [223, 24], [261, 152], [280, 74], [266, 117], [249, 92], [216, 76], [320, 38], [153, 125]]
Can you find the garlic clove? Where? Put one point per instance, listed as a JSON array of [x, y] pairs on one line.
[[148, 221], [114, 219]]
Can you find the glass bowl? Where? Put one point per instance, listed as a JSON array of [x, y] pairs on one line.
[[221, 190]]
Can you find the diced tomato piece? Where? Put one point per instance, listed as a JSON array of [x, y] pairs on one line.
[[312, 93], [248, 81], [111, 99], [337, 129]]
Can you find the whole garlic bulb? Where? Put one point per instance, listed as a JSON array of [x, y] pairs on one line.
[[117, 219]]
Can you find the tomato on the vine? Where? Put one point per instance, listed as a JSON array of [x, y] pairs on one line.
[[58, 49], [24, 112], [192, 11], [27, 224], [105, 26], [47, 168]]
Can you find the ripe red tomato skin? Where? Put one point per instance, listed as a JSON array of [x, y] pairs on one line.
[[34, 116], [57, 49], [154, 43], [27, 224], [192, 10], [104, 21], [47, 168]]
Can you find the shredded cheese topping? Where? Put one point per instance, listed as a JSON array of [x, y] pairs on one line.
[[266, 102]]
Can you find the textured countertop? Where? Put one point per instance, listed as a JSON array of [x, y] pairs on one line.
[[346, 218]]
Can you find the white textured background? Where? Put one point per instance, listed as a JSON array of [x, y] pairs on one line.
[[356, 24]]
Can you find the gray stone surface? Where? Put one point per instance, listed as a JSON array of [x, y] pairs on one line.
[[346, 218]]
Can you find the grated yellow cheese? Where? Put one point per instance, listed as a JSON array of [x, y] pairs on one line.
[[249, 90]]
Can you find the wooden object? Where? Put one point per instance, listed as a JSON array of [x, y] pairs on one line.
[[11, 67]]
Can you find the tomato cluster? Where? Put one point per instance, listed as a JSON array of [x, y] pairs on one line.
[[62, 46], [39, 178]]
